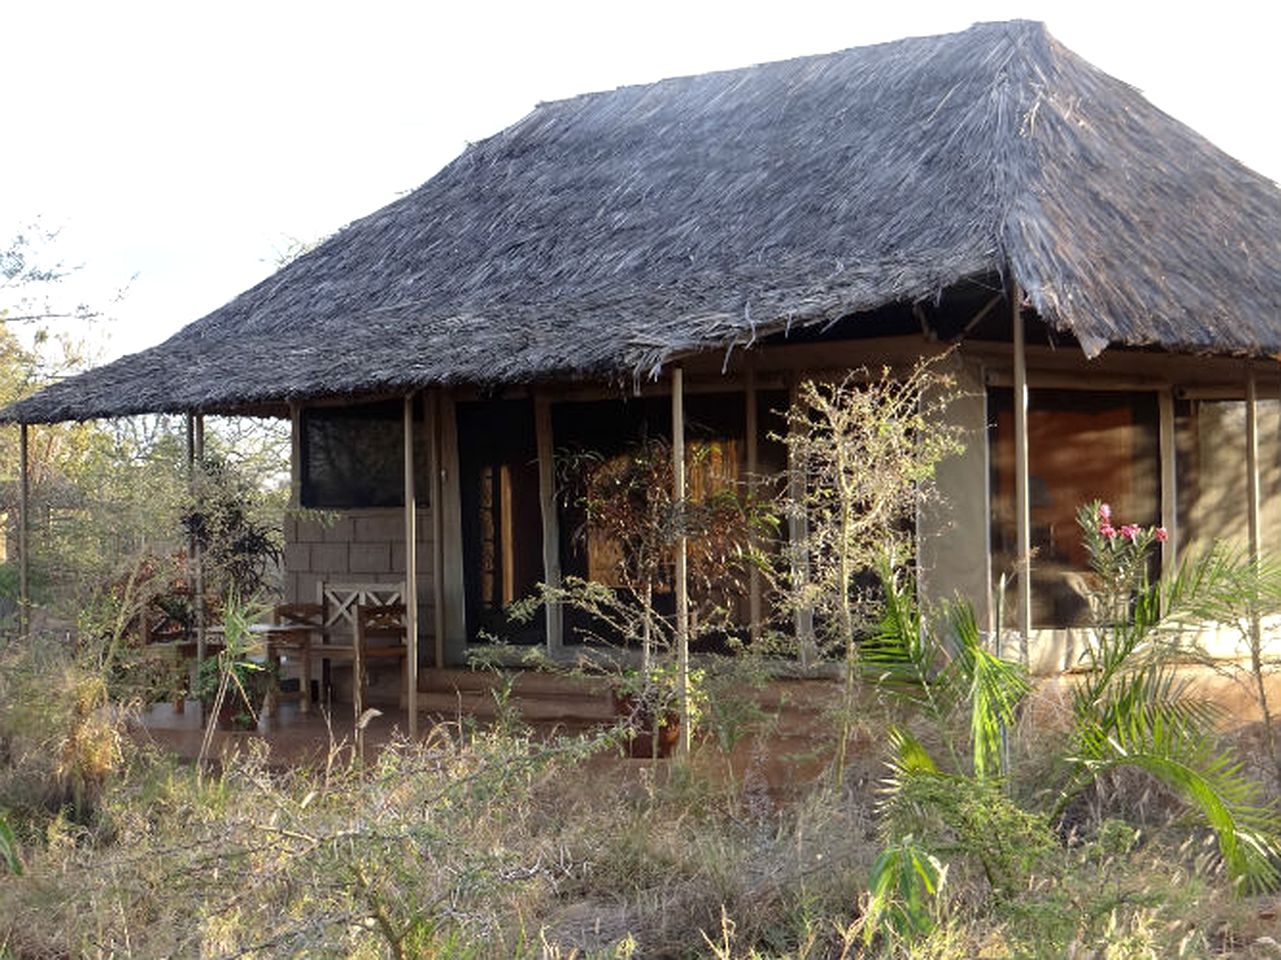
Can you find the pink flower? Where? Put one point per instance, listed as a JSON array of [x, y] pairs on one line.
[[1161, 534], [1107, 530], [1130, 531], [1105, 514]]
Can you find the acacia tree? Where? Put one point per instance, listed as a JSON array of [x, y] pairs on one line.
[[862, 453], [109, 498]]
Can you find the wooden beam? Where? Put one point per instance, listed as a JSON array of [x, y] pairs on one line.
[[24, 524], [682, 547], [192, 546], [1253, 486], [1169, 481], [545, 441], [1022, 499], [437, 530], [411, 571], [753, 468], [506, 534]]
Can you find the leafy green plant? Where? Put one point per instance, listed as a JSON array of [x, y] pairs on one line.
[[1130, 708], [1133, 709], [9, 848], [233, 672], [905, 884]]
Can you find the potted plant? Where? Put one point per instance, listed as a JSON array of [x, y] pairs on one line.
[[248, 683], [649, 701], [233, 686]]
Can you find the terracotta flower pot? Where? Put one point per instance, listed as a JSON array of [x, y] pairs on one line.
[[641, 717]]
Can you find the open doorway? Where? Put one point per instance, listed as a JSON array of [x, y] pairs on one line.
[[502, 520]]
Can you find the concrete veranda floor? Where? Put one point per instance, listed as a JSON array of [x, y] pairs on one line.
[[294, 738]]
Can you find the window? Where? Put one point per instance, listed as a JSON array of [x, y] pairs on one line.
[[1082, 446], [354, 456]]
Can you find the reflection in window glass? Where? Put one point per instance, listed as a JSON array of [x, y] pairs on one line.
[[1082, 446]]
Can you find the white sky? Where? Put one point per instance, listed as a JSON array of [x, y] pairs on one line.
[[189, 143]]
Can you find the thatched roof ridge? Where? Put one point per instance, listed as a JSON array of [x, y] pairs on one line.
[[606, 234]]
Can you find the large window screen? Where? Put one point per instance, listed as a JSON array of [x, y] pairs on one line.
[[353, 457]]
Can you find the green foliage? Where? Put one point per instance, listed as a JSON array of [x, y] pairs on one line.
[[1129, 709], [906, 882], [962, 816], [9, 848], [236, 524], [1134, 710], [940, 666]]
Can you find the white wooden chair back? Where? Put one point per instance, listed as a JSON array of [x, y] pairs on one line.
[[339, 601]]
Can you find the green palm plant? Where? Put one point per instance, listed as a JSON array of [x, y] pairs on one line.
[[941, 668], [1133, 707]]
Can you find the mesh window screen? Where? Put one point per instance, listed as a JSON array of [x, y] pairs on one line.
[[353, 457]]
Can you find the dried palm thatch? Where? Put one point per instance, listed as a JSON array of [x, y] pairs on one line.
[[607, 234]]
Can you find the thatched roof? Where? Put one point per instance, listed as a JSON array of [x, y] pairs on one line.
[[606, 234]]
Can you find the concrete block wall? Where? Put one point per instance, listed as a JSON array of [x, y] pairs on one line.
[[357, 546]]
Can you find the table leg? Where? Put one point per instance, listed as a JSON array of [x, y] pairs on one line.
[[304, 704]]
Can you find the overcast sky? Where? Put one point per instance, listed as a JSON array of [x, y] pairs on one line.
[[189, 144]]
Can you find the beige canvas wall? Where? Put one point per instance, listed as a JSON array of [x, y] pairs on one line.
[[954, 529]]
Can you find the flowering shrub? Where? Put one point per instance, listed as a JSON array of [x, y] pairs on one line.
[[1120, 557]]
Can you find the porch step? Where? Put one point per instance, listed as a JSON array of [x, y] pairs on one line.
[[536, 696], [484, 706], [525, 683]]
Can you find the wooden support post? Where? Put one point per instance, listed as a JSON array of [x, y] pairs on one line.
[[24, 538], [191, 501], [437, 531], [1253, 485], [1252, 464], [1169, 482], [682, 583], [411, 572], [1022, 499], [798, 546], [198, 567], [295, 455], [551, 521], [753, 468]]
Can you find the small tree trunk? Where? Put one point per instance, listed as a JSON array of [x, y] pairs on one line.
[[846, 573]]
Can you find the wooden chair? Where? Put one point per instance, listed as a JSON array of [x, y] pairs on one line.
[[380, 636], [340, 603], [306, 621]]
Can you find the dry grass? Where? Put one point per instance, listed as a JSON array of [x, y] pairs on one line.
[[496, 844]]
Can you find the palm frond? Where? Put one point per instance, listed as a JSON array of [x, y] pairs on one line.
[[995, 688], [1245, 825], [1136, 701], [905, 880]]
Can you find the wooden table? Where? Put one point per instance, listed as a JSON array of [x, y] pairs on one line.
[[275, 639]]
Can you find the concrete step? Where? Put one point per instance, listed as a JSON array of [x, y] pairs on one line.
[[482, 705], [525, 683]]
